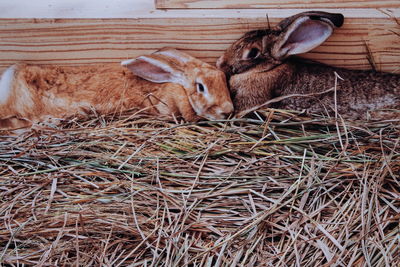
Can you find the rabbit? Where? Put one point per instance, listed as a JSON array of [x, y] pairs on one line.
[[262, 69], [168, 82]]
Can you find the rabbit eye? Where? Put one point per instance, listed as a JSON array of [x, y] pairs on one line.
[[200, 88], [252, 53]]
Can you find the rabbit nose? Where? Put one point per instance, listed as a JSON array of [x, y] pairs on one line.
[[226, 110]]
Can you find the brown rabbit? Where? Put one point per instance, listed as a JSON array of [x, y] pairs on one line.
[[260, 69], [166, 82]]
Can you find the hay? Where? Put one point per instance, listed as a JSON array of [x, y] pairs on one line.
[[277, 189]]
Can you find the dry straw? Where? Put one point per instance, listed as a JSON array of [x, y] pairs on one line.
[[274, 189]]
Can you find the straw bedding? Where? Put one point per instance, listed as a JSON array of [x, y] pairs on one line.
[[275, 189]]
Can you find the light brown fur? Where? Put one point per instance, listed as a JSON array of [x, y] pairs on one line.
[[42, 92]]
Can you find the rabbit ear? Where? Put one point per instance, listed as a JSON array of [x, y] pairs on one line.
[[302, 35], [155, 69], [336, 19], [174, 54]]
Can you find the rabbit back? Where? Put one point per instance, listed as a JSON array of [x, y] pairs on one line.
[[64, 91], [41, 92], [358, 92], [310, 86]]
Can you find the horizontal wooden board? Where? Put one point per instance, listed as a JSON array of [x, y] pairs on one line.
[[87, 41], [102, 9], [237, 4]]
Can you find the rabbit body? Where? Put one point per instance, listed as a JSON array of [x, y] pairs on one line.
[[64, 91], [261, 66], [359, 94], [37, 93]]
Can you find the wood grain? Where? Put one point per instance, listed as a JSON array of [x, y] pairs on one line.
[[88, 41], [237, 4]]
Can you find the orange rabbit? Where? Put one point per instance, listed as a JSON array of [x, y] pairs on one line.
[[166, 82]]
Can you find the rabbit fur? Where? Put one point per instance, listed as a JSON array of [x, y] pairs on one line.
[[261, 67], [168, 82]]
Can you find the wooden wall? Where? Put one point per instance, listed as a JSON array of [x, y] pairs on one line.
[[225, 4], [205, 34]]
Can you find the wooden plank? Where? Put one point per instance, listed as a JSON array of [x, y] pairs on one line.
[[87, 41], [101, 9], [237, 4]]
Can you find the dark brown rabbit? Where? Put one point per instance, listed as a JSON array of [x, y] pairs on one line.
[[260, 68]]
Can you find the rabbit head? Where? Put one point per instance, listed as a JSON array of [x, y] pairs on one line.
[[270, 47], [205, 86]]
